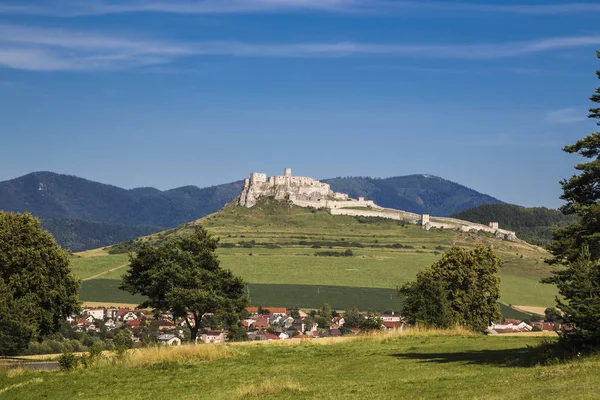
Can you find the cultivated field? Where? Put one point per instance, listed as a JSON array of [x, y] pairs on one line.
[[445, 365], [275, 248]]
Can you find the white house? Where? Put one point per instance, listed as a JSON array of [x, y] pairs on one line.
[[96, 313], [110, 324], [169, 340], [214, 337], [130, 316]]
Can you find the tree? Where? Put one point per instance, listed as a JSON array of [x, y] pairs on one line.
[[579, 285], [426, 303], [371, 323], [37, 288], [351, 318], [462, 288], [582, 195], [295, 312], [325, 312], [552, 314], [182, 276]]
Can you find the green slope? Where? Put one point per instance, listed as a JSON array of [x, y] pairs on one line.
[[275, 244]]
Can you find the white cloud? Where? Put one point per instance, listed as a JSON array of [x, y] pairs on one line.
[[62, 8], [33, 48], [565, 116]]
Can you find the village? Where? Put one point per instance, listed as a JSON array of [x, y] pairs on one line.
[[261, 324]]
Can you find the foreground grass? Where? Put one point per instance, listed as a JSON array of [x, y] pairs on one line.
[[419, 365]]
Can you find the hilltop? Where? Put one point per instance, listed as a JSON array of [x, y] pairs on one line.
[[292, 255], [67, 199]]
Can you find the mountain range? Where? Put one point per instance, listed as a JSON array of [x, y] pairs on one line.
[[84, 214]]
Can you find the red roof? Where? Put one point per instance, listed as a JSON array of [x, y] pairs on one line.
[[215, 333], [272, 310], [392, 325], [512, 321], [83, 321], [261, 322], [134, 323], [272, 336]]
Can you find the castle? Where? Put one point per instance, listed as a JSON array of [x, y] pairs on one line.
[[308, 192], [300, 190]]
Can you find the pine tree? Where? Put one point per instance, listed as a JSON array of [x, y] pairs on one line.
[[582, 195]]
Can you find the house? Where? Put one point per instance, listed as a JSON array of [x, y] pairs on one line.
[[130, 316], [391, 317], [96, 313], [276, 311], [257, 335], [83, 324], [271, 336], [169, 340], [260, 323], [283, 336], [110, 323], [339, 321], [165, 324], [247, 323], [509, 328], [287, 322], [335, 332], [299, 325], [543, 325], [214, 336], [90, 319], [391, 326], [136, 323]]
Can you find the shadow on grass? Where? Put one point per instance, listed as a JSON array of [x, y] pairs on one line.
[[520, 357]]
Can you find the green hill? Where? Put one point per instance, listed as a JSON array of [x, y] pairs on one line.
[[289, 255], [534, 225]]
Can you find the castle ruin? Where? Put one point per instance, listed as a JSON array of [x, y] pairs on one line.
[[308, 192]]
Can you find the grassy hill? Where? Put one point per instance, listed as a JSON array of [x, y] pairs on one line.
[[425, 365], [534, 225], [273, 246]]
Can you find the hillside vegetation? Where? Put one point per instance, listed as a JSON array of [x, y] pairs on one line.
[[274, 247], [421, 365], [80, 235], [534, 225], [421, 194]]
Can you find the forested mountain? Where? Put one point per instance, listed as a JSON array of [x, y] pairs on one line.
[[422, 194], [534, 225], [68, 205], [79, 235]]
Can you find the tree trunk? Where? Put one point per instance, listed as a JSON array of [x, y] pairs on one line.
[[194, 334]]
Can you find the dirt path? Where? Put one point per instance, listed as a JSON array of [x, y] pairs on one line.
[[105, 272]]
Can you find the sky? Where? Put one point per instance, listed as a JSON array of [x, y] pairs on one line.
[[171, 93]]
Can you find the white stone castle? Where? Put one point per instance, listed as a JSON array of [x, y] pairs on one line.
[[308, 192]]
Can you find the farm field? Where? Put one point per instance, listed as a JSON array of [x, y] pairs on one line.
[[423, 365], [273, 245]]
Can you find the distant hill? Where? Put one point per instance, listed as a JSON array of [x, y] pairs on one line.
[[422, 194], [50, 195], [78, 235], [66, 198], [534, 225]]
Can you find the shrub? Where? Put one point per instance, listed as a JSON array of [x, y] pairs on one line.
[[68, 361]]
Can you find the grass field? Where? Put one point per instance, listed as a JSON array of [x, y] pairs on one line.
[[280, 264], [421, 366]]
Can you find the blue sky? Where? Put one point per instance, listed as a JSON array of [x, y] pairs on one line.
[[169, 93]]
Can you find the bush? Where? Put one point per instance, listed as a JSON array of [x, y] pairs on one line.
[[68, 361]]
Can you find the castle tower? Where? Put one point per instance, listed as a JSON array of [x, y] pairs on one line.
[[287, 172]]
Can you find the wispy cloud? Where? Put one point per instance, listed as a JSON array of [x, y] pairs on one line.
[[62, 8], [565, 116], [56, 49]]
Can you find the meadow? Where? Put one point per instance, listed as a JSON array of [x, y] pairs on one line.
[[273, 245], [436, 364]]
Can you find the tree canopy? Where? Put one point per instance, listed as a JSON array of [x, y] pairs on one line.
[[577, 246], [182, 275], [37, 287], [582, 195], [463, 288]]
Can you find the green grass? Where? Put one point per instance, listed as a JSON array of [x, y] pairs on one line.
[[375, 264], [424, 366]]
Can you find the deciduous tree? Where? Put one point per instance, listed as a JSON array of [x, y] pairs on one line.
[[182, 275], [37, 288], [462, 288]]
